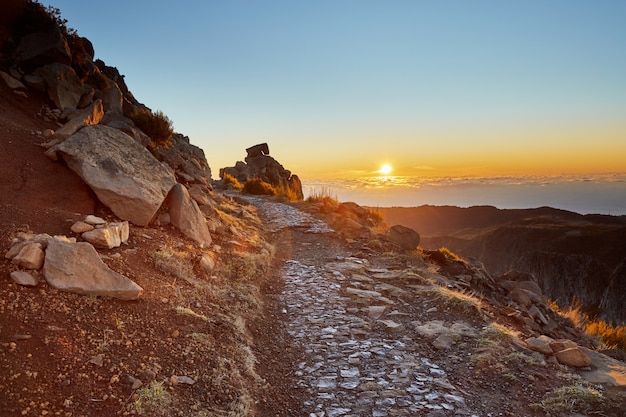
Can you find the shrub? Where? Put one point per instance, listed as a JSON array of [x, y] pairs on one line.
[[35, 17], [257, 186], [154, 124]]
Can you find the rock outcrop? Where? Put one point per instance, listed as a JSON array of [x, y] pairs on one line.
[[259, 164], [187, 161], [122, 173]]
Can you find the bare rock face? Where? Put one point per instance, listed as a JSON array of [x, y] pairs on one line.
[[76, 267], [123, 174], [187, 160], [187, 217], [40, 48]]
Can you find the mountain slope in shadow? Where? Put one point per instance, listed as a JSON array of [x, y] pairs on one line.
[[573, 257]]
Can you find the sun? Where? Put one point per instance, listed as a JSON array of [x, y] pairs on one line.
[[385, 169]]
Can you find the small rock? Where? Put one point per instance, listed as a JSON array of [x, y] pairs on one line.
[[376, 312], [94, 220], [31, 256], [185, 380], [24, 278], [443, 342], [97, 360], [207, 262], [81, 227], [392, 326]]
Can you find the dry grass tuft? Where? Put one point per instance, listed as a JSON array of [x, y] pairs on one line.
[[153, 399], [458, 300], [229, 179], [573, 399], [611, 336]]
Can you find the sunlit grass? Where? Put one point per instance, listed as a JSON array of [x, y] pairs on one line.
[[612, 336]]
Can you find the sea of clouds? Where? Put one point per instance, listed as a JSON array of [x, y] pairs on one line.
[[585, 194]]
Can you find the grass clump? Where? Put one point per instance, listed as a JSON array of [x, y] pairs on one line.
[[229, 179], [573, 399], [257, 186], [175, 264], [450, 255], [152, 399], [156, 125], [612, 336], [324, 196], [458, 300], [496, 334]]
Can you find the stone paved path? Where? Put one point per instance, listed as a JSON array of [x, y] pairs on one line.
[[358, 361]]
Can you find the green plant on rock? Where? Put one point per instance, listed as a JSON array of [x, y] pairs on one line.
[[154, 124]]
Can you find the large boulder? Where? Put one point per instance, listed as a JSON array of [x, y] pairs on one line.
[[76, 267], [63, 86], [405, 237], [186, 216], [123, 174]]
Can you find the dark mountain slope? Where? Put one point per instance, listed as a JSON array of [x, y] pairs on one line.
[[573, 257]]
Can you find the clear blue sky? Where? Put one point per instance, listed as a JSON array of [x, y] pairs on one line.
[[339, 87]]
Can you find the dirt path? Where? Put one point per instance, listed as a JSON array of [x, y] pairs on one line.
[[342, 349]]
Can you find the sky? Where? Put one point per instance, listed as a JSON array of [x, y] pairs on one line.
[[338, 88]]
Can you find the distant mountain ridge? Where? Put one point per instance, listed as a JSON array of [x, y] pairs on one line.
[[573, 257]]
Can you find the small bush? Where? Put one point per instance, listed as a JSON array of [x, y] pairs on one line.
[[257, 186], [156, 125], [229, 179]]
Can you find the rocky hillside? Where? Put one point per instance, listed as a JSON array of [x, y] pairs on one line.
[[571, 256]]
